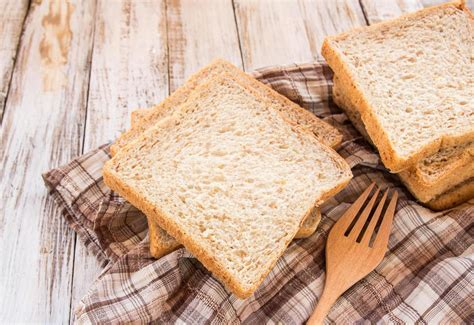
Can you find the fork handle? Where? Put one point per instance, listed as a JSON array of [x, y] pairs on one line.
[[328, 298]]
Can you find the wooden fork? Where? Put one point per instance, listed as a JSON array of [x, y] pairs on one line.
[[350, 252]]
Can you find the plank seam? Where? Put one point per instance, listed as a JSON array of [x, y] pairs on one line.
[[91, 56], [168, 74], [238, 35], [364, 11]]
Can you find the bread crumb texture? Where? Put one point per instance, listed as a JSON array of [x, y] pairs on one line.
[[229, 178], [417, 76]]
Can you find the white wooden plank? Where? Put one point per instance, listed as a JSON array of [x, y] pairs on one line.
[[129, 70], [323, 18], [12, 16], [198, 32], [376, 11], [42, 128], [272, 33], [129, 65]]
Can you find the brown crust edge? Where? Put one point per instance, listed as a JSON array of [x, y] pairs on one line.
[[424, 191], [461, 193], [158, 248]]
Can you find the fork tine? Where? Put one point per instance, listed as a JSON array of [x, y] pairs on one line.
[[381, 239], [373, 222], [355, 231], [346, 219]]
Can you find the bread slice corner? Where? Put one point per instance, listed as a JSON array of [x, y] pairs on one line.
[[310, 224]]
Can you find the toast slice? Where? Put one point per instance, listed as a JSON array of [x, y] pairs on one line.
[[409, 109], [431, 176], [229, 178], [143, 118], [161, 243], [455, 196], [322, 130]]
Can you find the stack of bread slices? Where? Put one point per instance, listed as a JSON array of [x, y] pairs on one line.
[[408, 86], [230, 169]]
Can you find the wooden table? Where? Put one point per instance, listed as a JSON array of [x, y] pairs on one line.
[[71, 73]]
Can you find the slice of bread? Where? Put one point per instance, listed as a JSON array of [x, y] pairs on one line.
[[322, 130], [409, 108], [457, 195], [161, 243], [143, 118], [433, 175], [310, 224], [229, 178]]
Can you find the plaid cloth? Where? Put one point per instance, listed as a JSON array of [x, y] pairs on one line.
[[426, 275]]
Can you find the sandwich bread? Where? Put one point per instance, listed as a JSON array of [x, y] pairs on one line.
[[229, 177]]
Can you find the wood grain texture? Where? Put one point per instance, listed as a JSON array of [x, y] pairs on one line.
[[42, 128], [272, 33], [428, 3], [198, 32], [12, 15], [85, 272], [129, 70], [376, 11], [323, 18], [129, 66]]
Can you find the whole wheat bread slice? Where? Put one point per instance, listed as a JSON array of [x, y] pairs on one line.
[[412, 79], [229, 178], [322, 130], [433, 175]]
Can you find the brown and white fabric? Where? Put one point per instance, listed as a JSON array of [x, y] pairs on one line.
[[426, 276]]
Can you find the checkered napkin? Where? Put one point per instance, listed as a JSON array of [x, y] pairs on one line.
[[426, 275]]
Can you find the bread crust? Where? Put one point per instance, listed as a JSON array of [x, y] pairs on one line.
[[459, 194], [116, 183], [308, 227], [390, 158], [424, 188], [160, 246]]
